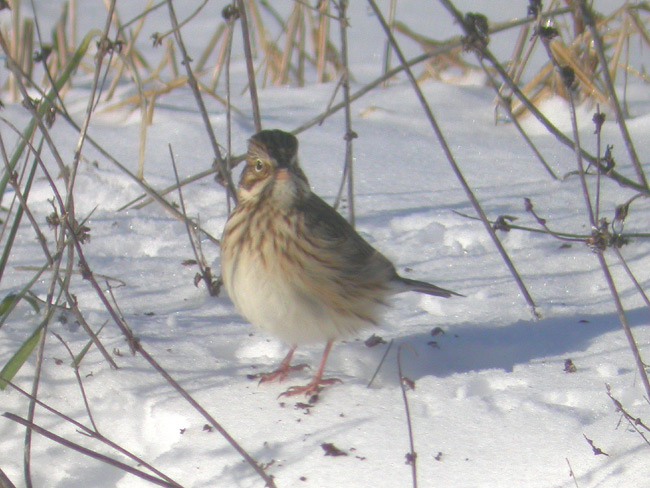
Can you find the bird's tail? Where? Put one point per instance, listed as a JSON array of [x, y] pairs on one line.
[[426, 288]]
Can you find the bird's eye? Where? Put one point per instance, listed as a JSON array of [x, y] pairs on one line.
[[259, 165]]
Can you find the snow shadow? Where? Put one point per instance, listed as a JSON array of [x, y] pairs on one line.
[[468, 348]]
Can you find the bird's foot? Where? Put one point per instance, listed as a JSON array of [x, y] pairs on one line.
[[311, 388], [279, 374]]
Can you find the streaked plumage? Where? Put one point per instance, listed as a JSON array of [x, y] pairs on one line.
[[293, 266]]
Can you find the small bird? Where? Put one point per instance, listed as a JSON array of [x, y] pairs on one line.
[[294, 267]]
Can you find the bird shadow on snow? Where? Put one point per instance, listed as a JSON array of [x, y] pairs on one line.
[[462, 349]]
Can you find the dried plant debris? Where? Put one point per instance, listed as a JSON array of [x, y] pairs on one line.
[[331, 450], [411, 457], [374, 340], [569, 367], [408, 383], [597, 450], [304, 406], [503, 223], [476, 25], [570, 43], [437, 331]]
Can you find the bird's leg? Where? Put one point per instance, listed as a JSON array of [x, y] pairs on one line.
[[283, 370], [317, 382]]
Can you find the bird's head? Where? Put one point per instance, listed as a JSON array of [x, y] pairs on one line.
[[272, 169]]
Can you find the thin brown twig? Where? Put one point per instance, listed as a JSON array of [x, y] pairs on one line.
[[159, 37], [597, 230], [636, 422], [588, 19], [603, 262], [136, 346], [141, 15], [543, 223], [82, 390], [191, 79], [481, 50], [387, 47], [230, 21], [350, 135], [103, 48], [630, 274], [50, 307], [95, 434], [252, 84], [146, 200], [259, 469], [51, 304], [147, 189], [624, 323], [412, 456], [450, 158], [567, 77], [5, 482], [46, 69], [381, 362], [53, 259], [332, 98], [506, 103], [68, 211], [504, 222], [437, 51], [206, 273], [32, 427], [599, 119], [572, 474], [443, 48], [23, 208], [19, 77]]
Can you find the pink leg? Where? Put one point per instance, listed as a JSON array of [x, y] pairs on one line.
[[283, 370], [317, 382]]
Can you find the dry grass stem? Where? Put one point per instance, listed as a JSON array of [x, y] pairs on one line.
[[450, 158], [587, 54]]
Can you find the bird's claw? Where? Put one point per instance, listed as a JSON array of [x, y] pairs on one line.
[[279, 374], [311, 388]]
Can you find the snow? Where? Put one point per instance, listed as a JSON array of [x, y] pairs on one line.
[[492, 404]]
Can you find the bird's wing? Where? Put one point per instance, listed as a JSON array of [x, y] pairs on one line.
[[337, 237]]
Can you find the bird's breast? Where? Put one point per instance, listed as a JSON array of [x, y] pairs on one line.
[[284, 281]]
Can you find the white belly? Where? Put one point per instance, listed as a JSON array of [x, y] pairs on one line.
[[283, 307], [275, 305], [293, 289]]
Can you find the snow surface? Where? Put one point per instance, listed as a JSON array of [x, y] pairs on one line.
[[492, 404]]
